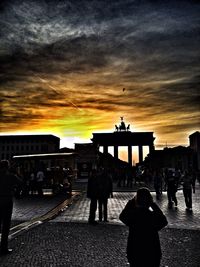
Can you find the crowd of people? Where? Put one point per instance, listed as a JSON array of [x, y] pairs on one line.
[[141, 214], [34, 181], [165, 179], [100, 186], [13, 183]]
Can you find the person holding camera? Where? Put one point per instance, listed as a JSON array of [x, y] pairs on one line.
[[144, 219]]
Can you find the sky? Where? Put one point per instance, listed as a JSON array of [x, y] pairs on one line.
[[72, 68]]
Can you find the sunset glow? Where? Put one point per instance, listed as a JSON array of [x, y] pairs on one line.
[[65, 64]]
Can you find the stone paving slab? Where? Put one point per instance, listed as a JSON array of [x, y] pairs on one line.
[[177, 218], [31, 207], [27, 208], [84, 245], [69, 241]]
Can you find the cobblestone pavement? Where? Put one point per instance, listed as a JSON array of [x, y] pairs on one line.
[[177, 218], [27, 208], [69, 241], [104, 245]]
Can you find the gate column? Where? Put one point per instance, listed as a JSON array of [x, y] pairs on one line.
[[130, 155], [140, 154], [116, 152], [105, 149]]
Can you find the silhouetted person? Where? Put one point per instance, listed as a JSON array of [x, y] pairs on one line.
[[33, 185], [144, 219], [188, 187], [105, 188], [7, 184], [40, 181], [172, 185], [157, 178], [92, 193]]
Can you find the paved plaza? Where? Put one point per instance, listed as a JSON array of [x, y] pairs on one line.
[[28, 208], [68, 240], [177, 218]]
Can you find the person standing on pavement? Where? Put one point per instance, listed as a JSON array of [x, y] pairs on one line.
[[188, 188], [92, 193], [157, 178], [144, 219], [40, 181], [105, 192], [172, 186], [7, 183], [32, 183]]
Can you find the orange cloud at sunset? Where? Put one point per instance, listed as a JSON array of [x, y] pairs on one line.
[[64, 67]]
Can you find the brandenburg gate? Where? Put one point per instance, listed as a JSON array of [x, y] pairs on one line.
[[122, 136]]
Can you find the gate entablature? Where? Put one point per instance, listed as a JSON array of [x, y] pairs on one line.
[[124, 137]]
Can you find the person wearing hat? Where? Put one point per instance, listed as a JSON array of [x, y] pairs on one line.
[[144, 219]]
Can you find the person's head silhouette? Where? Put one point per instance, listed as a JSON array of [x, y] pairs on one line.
[[144, 197]]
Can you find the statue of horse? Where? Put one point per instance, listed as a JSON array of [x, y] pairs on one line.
[[122, 126]]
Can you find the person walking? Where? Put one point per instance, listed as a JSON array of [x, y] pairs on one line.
[[7, 183], [157, 179], [33, 185], [105, 188], [172, 185], [39, 182], [144, 219], [188, 188], [92, 193]]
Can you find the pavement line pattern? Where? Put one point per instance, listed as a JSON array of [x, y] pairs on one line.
[[18, 229], [177, 217]]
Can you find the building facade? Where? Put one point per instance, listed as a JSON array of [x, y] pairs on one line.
[[13, 145], [177, 158], [194, 140], [86, 159]]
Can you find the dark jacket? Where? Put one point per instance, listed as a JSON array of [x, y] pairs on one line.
[[143, 248], [7, 183], [92, 187], [105, 185], [99, 186]]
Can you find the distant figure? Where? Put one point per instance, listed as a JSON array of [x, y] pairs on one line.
[[67, 186], [128, 127], [32, 183], [105, 191], [39, 182], [172, 186], [7, 184], [157, 178], [92, 193], [116, 128], [129, 176], [144, 219], [188, 187]]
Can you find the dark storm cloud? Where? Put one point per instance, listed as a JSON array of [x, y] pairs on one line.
[[87, 32]]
